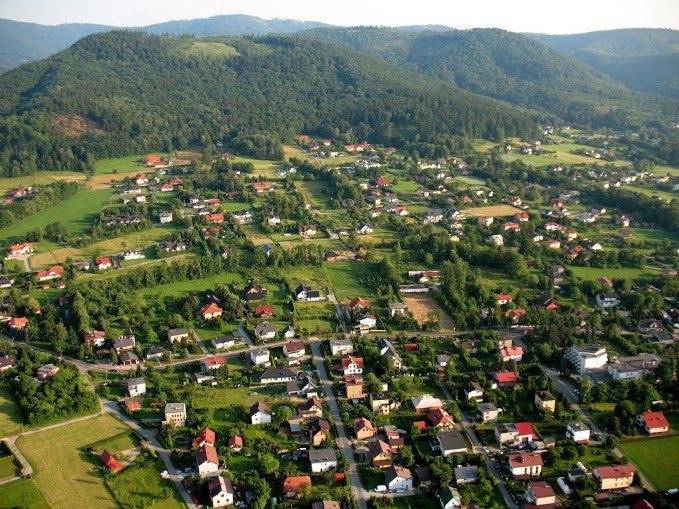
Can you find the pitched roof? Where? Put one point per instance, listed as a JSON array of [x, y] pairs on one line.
[[322, 455], [207, 454], [207, 435], [346, 361], [541, 489], [358, 302], [505, 376], [219, 484], [235, 441], [615, 472], [525, 459], [438, 416], [526, 428], [210, 309], [655, 420], [296, 483], [394, 472], [264, 310], [363, 423], [378, 447], [294, 346], [110, 462], [214, 360], [426, 401], [259, 407]]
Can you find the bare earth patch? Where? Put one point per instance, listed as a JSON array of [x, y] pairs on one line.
[[493, 211], [421, 304], [74, 126]]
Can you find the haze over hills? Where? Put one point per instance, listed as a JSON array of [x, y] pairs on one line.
[[644, 59], [507, 66], [124, 92]]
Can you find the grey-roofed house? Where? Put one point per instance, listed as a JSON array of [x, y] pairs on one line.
[[341, 347], [177, 335], [278, 376], [322, 460], [154, 352], [449, 442], [468, 474], [260, 414], [487, 412], [265, 331]]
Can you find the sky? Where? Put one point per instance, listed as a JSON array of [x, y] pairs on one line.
[[574, 16]]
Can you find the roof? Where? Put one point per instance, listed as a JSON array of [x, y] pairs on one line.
[[207, 435], [451, 440], [264, 328], [467, 472], [505, 377], [426, 401], [296, 483], [503, 296], [206, 454], [615, 472], [109, 461], [135, 381], [277, 373], [449, 494], [525, 459], [545, 395], [511, 352], [363, 423], [294, 346], [325, 504], [219, 484], [346, 361], [259, 407], [394, 472], [214, 360], [211, 309], [438, 416], [541, 489], [235, 441], [655, 420], [173, 408], [358, 302], [264, 310], [378, 447], [322, 455], [526, 428]]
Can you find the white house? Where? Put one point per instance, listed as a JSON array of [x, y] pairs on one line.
[[450, 498], [577, 432], [322, 460], [607, 300], [223, 342], [364, 229], [293, 349], [207, 460], [496, 240], [260, 414], [526, 464], [341, 347], [587, 357], [136, 387], [397, 478], [175, 414], [165, 217], [221, 491], [265, 331], [260, 357], [540, 494]]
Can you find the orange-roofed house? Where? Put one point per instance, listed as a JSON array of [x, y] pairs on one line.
[[152, 160], [212, 362], [262, 187], [207, 436], [264, 311], [503, 298], [110, 462], [19, 250], [358, 304], [653, 422], [133, 405], [207, 460], [352, 365], [421, 425], [614, 478], [235, 443], [515, 316], [54, 272], [211, 311], [526, 464], [506, 378], [215, 218], [514, 353], [363, 428], [294, 487], [103, 263], [439, 418], [19, 323]]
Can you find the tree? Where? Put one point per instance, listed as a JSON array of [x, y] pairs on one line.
[[268, 464], [405, 456]]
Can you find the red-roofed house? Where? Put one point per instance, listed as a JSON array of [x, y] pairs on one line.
[[110, 462], [653, 422], [262, 187], [357, 304], [212, 362], [133, 405], [152, 160], [613, 478], [211, 311], [235, 443], [421, 425], [512, 354], [515, 316], [207, 436], [18, 323], [363, 429], [264, 311], [52, 273], [526, 432], [207, 460], [103, 263], [439, 418], [525, 465], [352, 365], [505, 378], [382, 181], [294, 487], [503, 298], [540, 494], [294, 349], [215, 218], [19, 250]]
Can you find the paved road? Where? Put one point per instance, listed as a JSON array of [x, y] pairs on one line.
[[245, 334], [361, 495]]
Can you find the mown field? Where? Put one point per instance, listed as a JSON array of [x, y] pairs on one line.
[[657, 458], [594, 272], [10, 415], [22, 494], [64, 473], [40, 178], [493, 211], [345, 280]]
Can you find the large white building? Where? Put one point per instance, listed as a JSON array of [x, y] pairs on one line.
[[638, 366], [586, 358]]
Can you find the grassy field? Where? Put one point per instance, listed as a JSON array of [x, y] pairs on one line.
[[493, 211], [594, 273], [63, 471], [77, 214], [655, 234], [10, 415], [657, 458], [9, 467], [345, 280], [652, 192], [120, 442], [40, 178], [196, 285], [126, 164], [23, 494]]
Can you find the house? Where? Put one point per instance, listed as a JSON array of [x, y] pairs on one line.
[[322, 460], [525, 464], [397, 308], [253, 292], [386, 349], [607, 300], [264, 311], [6, 281], [442, 360], [439, 418], [235, 443], [466, 475], [503, 298], [7, 362], [211, 311], [653, 422], [211, 363], [154, 352], [260, 357], [278, 376], [124, 343], [637, 366], [352, 365], [514, 434], [221, 491], [262, 187], [364, 429], [260, 414], [587, 357], [136, 387], [511, 354], [17, 323], [364, 229], [128, 359], [304, 386], [505, 378], [295, 487], [379, 454], [613, 478], [54, 272], [311, 408], [325, 504], [95, 338], [496, 240], [354, 386], [165, 217], [381, 403], [175, 414], [223, 342], [306, 294], [341, 347], [206, 436], [522, 217], [110, 462], [578, 432], [46, 371], [18, 250], [289, 332], [364, 322], [294, 349], [265, 331], [358, 304], [308, 230], [484, 220], [426, 403], [207, 460], [177, 335], [449, 442], [540, 494], [552, 227], [514, 227], [398, 478], [450, 498], [319, 431], [544, 400], [133, 254], [487, 412], [650, 325]]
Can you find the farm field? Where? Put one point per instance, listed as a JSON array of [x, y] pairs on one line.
[[669, 196], [40, 178], [421, 304], [657, 458], [10, 415], [196, 285], [23, 494], [493, 211], [63, 471], [76, 213], [345, 279], [594, 272]]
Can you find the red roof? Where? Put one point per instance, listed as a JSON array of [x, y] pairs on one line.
[[215, 218], [213, 361], [526, 459], [439, 416], [525, 429], [296, 484], [110, 462], [207, 435], [17, 248], [410, 347], [511, 352], [504, 377], [346, 361], [152, 159], [504, 296], [294, 346], [642, 504], [18, 323], [541, 489], [236, 441], [103, 261], [381, 181], [617, 472], [132, 405], [207, 453], [57, 270], [655, 420], [263, 310], [519, 313], [358, 302], [421, 425], [210, 309]]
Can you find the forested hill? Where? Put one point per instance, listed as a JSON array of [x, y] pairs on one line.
[[508, 66], [120, 93], [644, 59]]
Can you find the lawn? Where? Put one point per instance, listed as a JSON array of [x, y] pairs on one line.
[[345, 279], [63, 471], [9, 467], [126, 164], [40, 178], [121, 442], [76, 213], [657, 458], [10, 415], [421, 501], [181, 288], [594, 272], [23, 494]]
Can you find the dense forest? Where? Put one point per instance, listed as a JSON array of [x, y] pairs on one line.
[[121, 93], [511, 67]]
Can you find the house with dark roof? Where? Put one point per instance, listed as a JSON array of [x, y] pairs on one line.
[[7, 362], [450, 498], [306, 294], [311, 408], [265, 331], [466, 474], [207, 460], [364, 429], [221, 491], [260, 414], [379, 454], [177, 335], [278, 376], [322, 460], [448, 443], [399, 478], [253, 292]]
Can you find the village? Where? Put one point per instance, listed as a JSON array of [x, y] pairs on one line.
[[359, 327]]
